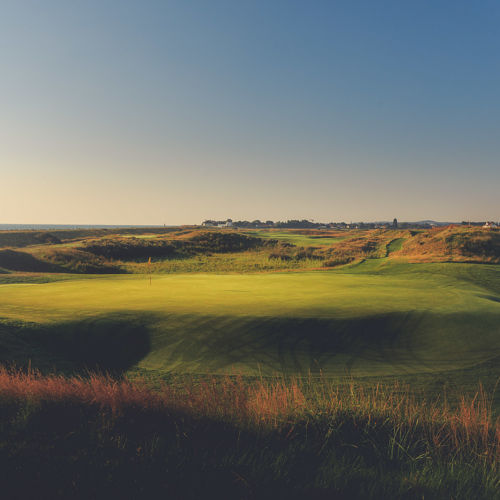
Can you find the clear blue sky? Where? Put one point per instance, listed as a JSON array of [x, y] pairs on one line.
[[152, 112]]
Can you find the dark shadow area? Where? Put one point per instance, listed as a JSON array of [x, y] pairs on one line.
[[56, 261], [110, 343], [399, 342], [402, 342], [68, 449], [25, 238], [288, 344], [21, 261], [116, 342], [493, 298]]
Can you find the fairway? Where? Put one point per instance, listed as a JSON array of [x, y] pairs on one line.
[[390, 320], [296, 238]]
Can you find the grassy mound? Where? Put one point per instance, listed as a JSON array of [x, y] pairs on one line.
[[25, 238], [15, 260], [15, 239], [455, 244], [199, 243], [54, 259], [194, 250]]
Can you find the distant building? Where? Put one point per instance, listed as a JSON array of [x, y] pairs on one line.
[[490, 225], [227, 223], [217, 223]]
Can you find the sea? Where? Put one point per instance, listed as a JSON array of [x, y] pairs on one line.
[[17, 227]]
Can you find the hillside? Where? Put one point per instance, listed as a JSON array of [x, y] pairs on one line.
[[453, 244]]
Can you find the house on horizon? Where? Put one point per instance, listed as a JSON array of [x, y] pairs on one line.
[[490, 225], [217, 223], [227, 223]]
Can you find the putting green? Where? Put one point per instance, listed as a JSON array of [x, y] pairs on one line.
[[385, 320]]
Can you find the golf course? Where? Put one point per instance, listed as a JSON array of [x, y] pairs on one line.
[[394, 319], [167, 354]]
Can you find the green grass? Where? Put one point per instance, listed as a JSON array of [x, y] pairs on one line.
[[434, 326], [296, 238], [375, 319], [395, 245], [238, 262]]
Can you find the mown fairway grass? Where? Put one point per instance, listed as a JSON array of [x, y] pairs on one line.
[[297, 238], [377, 318]]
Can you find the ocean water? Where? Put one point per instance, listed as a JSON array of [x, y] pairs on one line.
[[13, 227]]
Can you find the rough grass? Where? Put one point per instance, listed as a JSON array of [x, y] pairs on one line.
[[25, 238], [175, 250], [54, 259], [200, 243], [454, 244], [238, 262], [226, 438]]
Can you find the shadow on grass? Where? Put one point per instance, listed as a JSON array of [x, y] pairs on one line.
[[66, 449], [107, 343], [395, 343], [289, 344], [493, 298], [115, 342], [21, 261], [292, 345]]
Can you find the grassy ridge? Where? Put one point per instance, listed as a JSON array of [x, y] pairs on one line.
[[194, 250], [454, 244], [23, 238]]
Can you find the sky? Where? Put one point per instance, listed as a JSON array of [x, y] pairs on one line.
[[172, 112]]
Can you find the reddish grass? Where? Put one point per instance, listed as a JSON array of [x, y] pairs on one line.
[[453, 244], [468, 429]]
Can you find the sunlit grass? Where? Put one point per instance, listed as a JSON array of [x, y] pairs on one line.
[[237, 262], [386, 320]]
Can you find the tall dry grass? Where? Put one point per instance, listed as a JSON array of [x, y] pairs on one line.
[[415, 427]]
